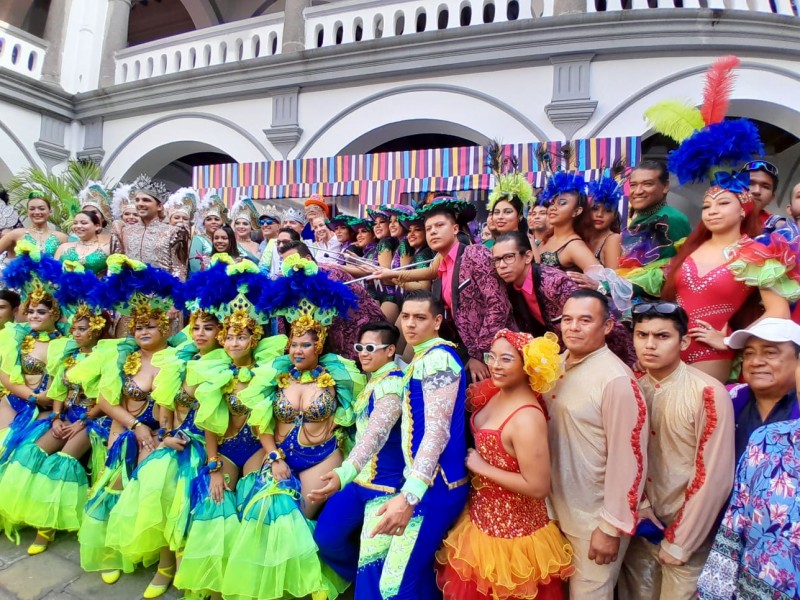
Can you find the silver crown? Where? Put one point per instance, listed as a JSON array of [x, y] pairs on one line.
[[293, 214], [155, 189]]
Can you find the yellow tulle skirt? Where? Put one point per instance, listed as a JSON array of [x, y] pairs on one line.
[[472, 565]]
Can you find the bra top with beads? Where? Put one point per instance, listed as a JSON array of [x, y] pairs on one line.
[[185, 400], [320, 409], [49, 246], [235, 406], [76, 397], [32, 365], [132, 390]]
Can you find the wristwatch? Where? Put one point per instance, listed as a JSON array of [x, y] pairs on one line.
[[411, 499]]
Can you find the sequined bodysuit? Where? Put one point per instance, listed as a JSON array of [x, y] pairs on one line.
[[714, 298], [49, 246], [131, 390], [94, 261], [496, 511], [321, 408]]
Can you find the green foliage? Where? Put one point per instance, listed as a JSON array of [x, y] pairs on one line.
[[61, 190]]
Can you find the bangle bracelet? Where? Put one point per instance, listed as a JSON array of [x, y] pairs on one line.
[[32, 398], [55, 415], [84, 417], [275, 456], [135, 424]]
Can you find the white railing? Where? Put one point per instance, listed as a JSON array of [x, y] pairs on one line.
[[21, 52], [349, 21], [223, 44]]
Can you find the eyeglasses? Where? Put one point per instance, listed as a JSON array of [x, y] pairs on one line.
[[761, 165], [509, 259], [490, 359], [662, 308], [266, 221], [369, 348]]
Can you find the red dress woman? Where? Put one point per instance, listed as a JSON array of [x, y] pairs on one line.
[[505, 546]]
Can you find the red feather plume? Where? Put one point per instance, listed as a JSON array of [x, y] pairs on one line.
[[717, 92]]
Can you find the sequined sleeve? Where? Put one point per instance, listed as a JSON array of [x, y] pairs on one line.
[[439, 391], [385, 412]]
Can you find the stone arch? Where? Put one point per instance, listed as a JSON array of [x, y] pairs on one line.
[[483, 115], [14, 156], [392, 131], [162, 141]]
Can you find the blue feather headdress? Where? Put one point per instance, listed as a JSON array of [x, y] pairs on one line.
[[308, 298], [708, 143], [132, 284], [563, 182]]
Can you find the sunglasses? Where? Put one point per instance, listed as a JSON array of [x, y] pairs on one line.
[[369, 348], [662, 308], [267, 221], [761, 165]]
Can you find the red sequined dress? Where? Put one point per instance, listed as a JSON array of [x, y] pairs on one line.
[[504, 546], [714, 298]]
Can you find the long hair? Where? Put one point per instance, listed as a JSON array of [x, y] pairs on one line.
[[751, 226], [582, 224], [233, 248], [516, 203]]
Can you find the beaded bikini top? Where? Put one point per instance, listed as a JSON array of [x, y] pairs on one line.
[[320, 409], [32, 365], [132, 390]]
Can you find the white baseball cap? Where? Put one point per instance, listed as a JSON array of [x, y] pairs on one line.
[[769, 329]]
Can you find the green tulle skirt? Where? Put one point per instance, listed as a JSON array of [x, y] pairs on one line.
[[46, 492], [274, 555]]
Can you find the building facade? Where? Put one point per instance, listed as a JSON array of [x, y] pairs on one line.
[[159, 86]]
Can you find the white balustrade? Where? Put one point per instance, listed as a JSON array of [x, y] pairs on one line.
[[342, 22], [223, 44], [21, 52]]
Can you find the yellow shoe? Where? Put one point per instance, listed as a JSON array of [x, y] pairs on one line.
[[111, 577], [47, 534], [154, 590]]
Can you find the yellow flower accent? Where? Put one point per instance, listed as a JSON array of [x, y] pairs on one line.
[[325, 381], [69, 362], [29, 248], [133, 364], [542, 362], [116, 262], [284, 380], [73, 266], [27, 345]]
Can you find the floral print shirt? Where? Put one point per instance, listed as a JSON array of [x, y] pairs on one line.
[[756, 553]]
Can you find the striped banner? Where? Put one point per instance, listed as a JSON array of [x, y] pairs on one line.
[[383, 178]]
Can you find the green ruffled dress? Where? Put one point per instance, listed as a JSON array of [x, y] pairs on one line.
[[213, 527], [49, 491], [274, 555]]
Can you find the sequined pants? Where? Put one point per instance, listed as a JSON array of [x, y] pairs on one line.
[[592, 581], [644, 578]]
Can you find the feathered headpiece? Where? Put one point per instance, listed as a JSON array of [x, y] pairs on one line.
[[137, 290], [94, 195], [378, 211], [563, 183], [9, 217], [708, 142], [608, 189], [232, 293], [121, 200], [450, 204], [509, 182], [244, 208], [541, 357], [34, 275], [183, 201], [308, 298], [343, 220], [155, 189], [561, 178], [211, 204], [77, 292]]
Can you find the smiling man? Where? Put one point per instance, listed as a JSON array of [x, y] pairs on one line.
[[598, 447], [769, 363], [689, 459], [152, 241], [649, 240]]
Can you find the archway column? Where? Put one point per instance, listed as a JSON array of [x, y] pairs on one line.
[[116, 38]]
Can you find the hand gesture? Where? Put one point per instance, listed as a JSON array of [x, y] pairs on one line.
[[332, 485]]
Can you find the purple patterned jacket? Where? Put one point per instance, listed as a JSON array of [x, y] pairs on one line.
[[480, 304]]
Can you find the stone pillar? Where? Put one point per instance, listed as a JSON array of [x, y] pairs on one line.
[[572, 104], [116, 38], [562, 7], [55, 32], [294, 26]]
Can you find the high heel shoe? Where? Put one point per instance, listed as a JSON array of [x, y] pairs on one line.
[[111, 577], [154, 590], [47, 534]]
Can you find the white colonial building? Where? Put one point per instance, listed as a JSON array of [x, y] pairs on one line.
[[159, 86]]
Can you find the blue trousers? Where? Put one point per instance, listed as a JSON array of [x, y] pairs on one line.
[[388, 567]]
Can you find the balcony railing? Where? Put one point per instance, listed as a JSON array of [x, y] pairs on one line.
[[230, 43], [351, 21], [21, 52]]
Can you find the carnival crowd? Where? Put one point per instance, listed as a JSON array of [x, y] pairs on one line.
[[276, 404]]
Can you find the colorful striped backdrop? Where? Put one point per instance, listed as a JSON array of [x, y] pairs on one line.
[[381, 178]]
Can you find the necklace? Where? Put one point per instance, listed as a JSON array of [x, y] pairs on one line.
[[30, 340], [319, 375]]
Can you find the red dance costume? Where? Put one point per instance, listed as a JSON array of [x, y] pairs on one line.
[[714, 298], [504, 546]]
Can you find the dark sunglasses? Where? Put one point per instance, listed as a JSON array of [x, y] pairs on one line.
[[662, 308], [761, 165], [266, 221]]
